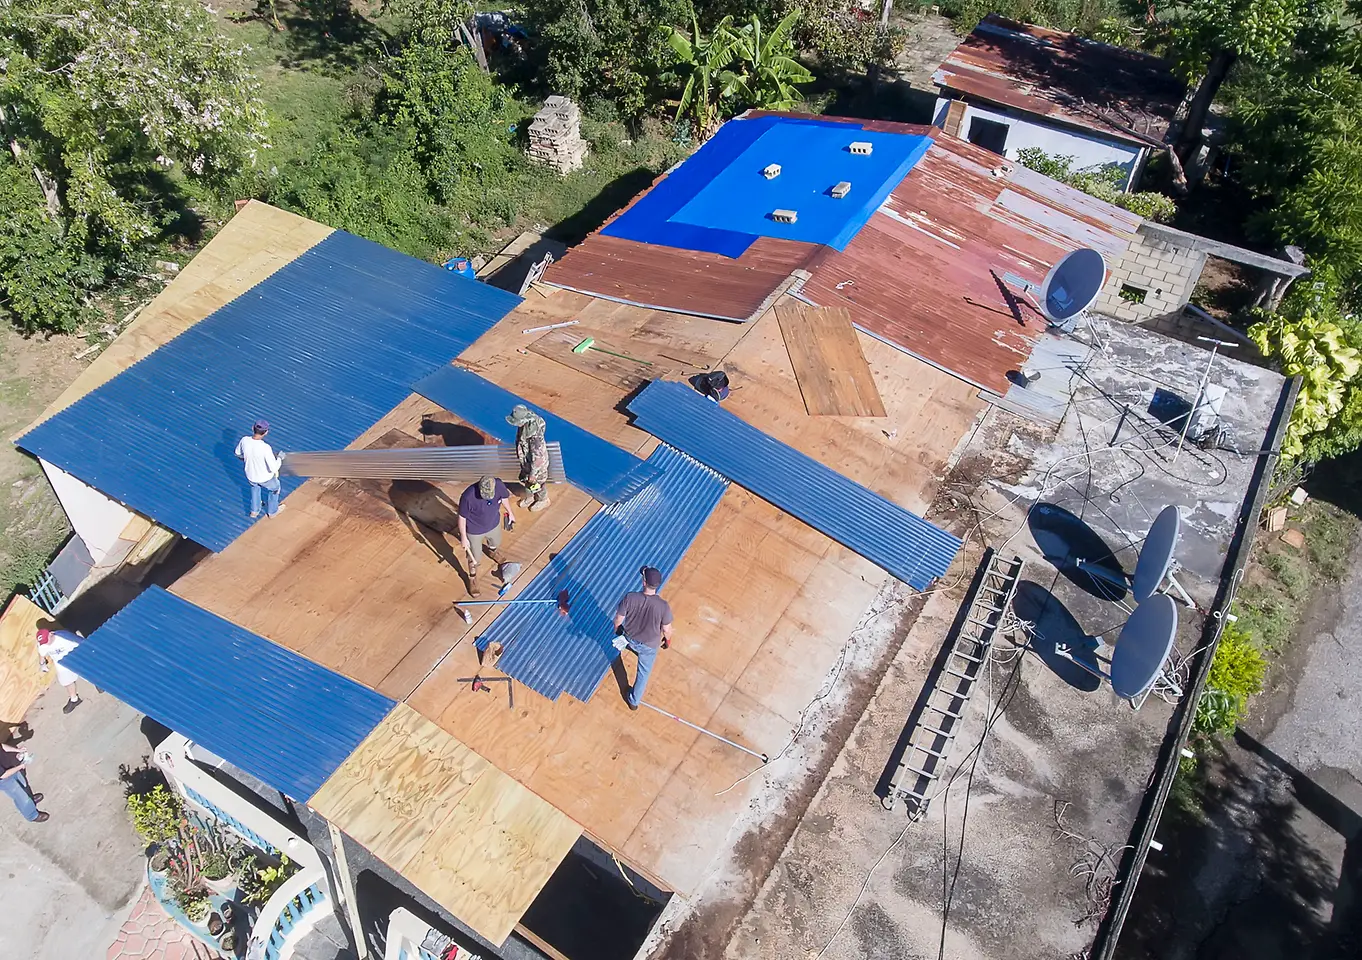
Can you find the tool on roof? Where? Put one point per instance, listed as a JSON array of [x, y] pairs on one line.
[[590, 344], [695, 726], [563, 601], [480, 683], [551, 326]]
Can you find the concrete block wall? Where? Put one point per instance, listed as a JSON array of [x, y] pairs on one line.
[[1166, 272]]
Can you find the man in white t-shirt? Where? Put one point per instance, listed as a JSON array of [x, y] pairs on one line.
[[262, 468], [53, 646]]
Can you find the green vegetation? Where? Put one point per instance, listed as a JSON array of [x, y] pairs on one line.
[[1236, 674], [1105, 182]]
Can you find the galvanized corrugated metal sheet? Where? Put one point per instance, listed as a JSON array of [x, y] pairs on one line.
[[254, 703], [925, 272], [597, 466], [323, 348], [552, 654], [884, 533], [1109, 90], [436, 464]]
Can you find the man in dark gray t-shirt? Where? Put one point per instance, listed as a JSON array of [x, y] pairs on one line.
[[643, 625]]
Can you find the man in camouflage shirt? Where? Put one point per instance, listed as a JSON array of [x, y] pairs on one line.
[[533, 453]]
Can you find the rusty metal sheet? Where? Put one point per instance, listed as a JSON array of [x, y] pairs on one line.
[[1110, 90], [925, 272]]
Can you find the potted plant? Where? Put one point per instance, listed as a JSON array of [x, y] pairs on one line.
[[259, 883], [215, 855], [195, 902], [159, 859], [156, 815]]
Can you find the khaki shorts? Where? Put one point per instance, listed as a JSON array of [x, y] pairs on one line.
[[491, 540]]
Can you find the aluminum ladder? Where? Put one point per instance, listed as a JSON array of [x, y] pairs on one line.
[[925, 758]]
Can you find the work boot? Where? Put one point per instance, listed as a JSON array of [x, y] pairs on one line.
[[473, 589], [540, 503], [526, 501]]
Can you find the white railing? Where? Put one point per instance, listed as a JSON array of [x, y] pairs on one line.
[[287, 916], [175, 757]]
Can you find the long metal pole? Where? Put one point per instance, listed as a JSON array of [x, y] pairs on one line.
[[695, 726], [1201, 388]]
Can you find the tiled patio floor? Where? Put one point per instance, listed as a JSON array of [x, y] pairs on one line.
[[150, 933]]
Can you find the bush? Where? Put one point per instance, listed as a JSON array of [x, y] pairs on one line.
[[1103, 182], [155, 815], [1236, 674]]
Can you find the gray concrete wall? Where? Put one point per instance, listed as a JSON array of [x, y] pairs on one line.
[[1166, 272]]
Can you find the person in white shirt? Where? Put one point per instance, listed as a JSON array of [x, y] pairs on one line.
[[262, 468], [53, 646]]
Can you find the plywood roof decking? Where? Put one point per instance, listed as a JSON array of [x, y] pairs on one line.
[[1110, 90], [255, 243], [468, 836], [339, 578], [952, 227], [834, 378]]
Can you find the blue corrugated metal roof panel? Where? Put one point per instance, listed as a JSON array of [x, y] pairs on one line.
[[597, 466], [553, 654], [884, 533], [323, 348], [254, 703]]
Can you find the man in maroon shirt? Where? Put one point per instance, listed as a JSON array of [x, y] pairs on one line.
[[480, 524]]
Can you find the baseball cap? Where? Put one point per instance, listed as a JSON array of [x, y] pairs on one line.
[[652, 577], [44, 635], [520, 414], [487, 488], [262, 426]]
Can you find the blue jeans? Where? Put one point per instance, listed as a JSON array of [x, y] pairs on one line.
[[17, 788], [272, 486], [646, 655]]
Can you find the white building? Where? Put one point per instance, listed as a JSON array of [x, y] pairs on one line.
[[1011, 85]]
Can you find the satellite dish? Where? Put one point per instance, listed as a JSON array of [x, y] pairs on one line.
[[1143, 646], [1156, 556], [1072, 285]]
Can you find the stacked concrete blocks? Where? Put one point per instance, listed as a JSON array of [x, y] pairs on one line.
[[1165, 272], [556, 135]]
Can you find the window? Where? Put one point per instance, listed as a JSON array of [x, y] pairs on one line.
[[989, 134], [1132, 294]]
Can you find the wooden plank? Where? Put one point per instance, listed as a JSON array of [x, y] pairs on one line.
[[471, 838], [21, 680], [492, 855], [955, 115], [833, 375], [407, 776], [625, 374]]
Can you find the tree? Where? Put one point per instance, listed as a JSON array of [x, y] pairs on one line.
[[1311, 338], [702, 61], [842, 36], [1209, 36], [765, 70], [603, 50], [1297, 134], [99, 98]]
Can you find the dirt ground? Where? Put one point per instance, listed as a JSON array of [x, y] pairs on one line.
[[33, 370]]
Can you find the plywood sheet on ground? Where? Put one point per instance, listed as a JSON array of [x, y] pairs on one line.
[[826, 355], [21, 679], [255, 243], [470, 837]]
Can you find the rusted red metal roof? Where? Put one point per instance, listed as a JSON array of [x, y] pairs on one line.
[[1110, 90], [925, 272], [920, 274]]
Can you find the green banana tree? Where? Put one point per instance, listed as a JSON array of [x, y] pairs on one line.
[[702, 61], [765, 73]]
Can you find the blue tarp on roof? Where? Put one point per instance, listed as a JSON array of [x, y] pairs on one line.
[[597, 466], [257, 705], [717, 200], [884, 533], [323, 348], [553, 654]]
